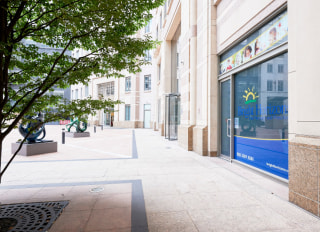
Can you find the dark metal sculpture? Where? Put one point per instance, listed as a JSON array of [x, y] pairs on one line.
[[36, 127], [77, 124]]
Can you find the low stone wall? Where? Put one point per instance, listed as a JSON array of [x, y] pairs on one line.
[[128, 124]]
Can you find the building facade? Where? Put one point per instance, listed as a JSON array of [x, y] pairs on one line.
[[234, 79], [134, 91], [230, 78]]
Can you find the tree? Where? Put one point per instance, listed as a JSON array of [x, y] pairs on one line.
[[104, 28]]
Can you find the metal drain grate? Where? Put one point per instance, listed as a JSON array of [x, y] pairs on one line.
[[31, 216], [97, 189]]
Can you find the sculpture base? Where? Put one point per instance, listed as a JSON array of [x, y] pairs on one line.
[[37, 148], [77, 134]]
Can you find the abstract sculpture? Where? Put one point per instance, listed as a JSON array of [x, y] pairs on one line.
[[77, 124], [36, 127]]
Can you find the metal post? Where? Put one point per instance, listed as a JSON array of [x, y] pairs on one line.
[[94, 128], [101, 127], [63, 136]]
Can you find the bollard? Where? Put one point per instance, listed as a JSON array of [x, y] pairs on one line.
[[63, 136], [94, 128], [101, 127]]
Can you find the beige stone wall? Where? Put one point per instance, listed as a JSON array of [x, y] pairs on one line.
[[185, 135], [200, 140], [198, 73], [304, 95]]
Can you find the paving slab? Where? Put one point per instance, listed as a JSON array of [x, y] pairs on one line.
[[135, 180]]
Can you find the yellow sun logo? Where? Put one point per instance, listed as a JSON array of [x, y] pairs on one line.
[[250, 93]]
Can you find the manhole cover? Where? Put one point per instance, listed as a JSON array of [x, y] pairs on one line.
[[96, 189], [30, 216], [6, 224]]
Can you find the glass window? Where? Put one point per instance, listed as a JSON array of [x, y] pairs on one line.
[[86, 91], [270, 68], [127, 112], [76, 97], [159, 111], [147, 107], [269, 85], [147, 82], [280, 85], [147, 55], [157, 33], [178, 60], [110, 88], [128, 84], [160, 20], [159, 71], [147, 27], [280, 68], [261, 117]]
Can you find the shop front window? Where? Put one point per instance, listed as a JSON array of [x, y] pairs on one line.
[[261, 117]]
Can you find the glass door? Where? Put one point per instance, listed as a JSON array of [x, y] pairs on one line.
[[172, 120], [225, 118]]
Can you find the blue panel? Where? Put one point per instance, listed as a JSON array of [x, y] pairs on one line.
[[268, 155]]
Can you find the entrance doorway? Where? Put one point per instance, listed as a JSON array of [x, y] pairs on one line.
[[172, 116], [108, 117]]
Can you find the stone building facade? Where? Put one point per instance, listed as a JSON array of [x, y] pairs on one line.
[[235, 79], [134, 91]]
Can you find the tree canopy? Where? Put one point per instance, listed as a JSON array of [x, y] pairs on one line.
[[106, 29]]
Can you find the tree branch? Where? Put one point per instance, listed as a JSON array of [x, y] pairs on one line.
[[16, 17], [39, 94], [17, 102], [29, 31]]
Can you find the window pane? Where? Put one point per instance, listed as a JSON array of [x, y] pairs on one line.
[[280, 85], [147, 82], [269, 85], [280, 68], [86, 91], [127, 112], [128, 84], [261, 117], [110, 88], [147, 107]]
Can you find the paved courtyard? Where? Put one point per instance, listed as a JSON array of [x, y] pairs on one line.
[[135, 180]]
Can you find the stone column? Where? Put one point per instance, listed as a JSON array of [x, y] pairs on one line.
[[213, 108], [193, 61], [165, 82]]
